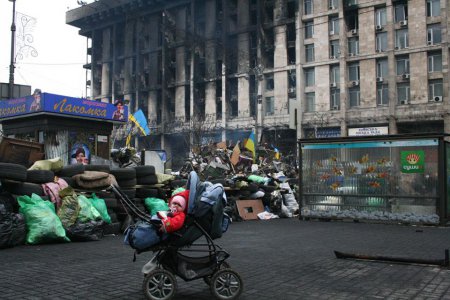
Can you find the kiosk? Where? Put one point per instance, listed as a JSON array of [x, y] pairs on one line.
[[73, 129], [396, 178]]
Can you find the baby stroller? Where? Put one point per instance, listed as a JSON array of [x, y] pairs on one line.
[[207, 260]]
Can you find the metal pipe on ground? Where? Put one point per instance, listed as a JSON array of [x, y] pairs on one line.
[[405, 260]]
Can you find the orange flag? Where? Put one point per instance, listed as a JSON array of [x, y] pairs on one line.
[[235, 155]]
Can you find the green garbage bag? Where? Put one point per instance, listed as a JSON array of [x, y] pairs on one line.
[[43, 225], [257, 179], [69, 209], [154, 205], [87, 210], [100, 205]]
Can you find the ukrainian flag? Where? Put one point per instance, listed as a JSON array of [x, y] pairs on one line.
[[140, 121], [250, 144], [277, 153]]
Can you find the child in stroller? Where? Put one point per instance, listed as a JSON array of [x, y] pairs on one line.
[[143, 235], [205, 218], [174, 219]]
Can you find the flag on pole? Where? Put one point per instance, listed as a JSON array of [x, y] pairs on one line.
[[251, 143], [235, 155], [140, 121], [277, 153], [137, 119]]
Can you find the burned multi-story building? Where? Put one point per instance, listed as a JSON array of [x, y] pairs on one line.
[[284, 68]]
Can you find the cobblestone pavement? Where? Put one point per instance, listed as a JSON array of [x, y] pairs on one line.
[[277, 259]]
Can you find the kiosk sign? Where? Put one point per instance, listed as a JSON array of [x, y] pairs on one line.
[[63, 105], [368, 131], [412, 161]]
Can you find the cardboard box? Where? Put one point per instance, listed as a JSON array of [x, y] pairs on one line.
[[249, 209]]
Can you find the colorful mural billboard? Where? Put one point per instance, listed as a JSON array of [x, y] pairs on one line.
[[51, 103]]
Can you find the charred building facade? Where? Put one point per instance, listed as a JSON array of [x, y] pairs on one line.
[[287, 68]]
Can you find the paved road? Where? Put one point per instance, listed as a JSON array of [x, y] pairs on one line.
[[277, 259]]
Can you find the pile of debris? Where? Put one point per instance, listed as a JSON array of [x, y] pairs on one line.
[[266, 178]]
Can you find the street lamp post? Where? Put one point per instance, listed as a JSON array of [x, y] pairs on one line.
[[13, 44]]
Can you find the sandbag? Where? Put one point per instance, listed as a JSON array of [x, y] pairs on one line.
[[291, 203], [87, 210], [54, 164], [42, 223], [18, 230], [257, 179], [154, 205], [100, 205], [88, 231], [69, 209], [5, 227], [164, 178], [9, 202], [12, 228]]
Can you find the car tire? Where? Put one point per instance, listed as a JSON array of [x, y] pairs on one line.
[[40, 176], [69, 181], [144, 170], [123, 174], [127, 183], [13, 172], [147, 180], [71, 170], [130, 193], [111, 203], [22, 188], [99, 168], [147, 193]]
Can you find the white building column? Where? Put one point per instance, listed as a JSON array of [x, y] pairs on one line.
[[180, 77], [210, 59], [106, 67], [152, 100], [129, 79], [280, 78], [243, 40]]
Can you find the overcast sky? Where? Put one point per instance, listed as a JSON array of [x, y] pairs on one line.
[[58, 67]]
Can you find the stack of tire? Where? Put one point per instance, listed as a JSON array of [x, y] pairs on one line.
[[12, 223], [19, 181], [68, 171], [126, 179], [147, 180], [146, 176]]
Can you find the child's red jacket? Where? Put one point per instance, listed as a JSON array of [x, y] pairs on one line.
[[175, 220]]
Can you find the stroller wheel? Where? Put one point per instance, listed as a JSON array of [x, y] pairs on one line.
[[223, 265], [159, 285], [226, 284]]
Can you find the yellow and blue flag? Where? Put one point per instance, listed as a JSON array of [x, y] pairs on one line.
[[140, 121], [277, 152], [251, 143]]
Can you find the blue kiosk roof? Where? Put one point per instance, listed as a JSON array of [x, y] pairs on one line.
[[64, 106]]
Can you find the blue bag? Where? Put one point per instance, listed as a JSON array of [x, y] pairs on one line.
[[142, 235]]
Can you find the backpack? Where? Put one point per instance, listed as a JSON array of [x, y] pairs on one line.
[[207, 204]]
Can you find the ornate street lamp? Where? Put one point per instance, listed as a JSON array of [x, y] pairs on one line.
[[13, 43]]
